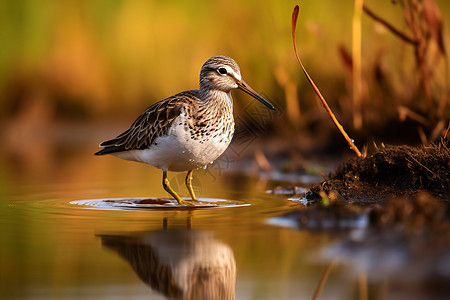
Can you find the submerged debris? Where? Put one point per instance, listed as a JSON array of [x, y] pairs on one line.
[[337, 216], [411, 215], [289, 191]]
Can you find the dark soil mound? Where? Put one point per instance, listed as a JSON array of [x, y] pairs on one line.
[[391, 170]]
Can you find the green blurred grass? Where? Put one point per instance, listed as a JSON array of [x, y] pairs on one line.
[[94, 58]]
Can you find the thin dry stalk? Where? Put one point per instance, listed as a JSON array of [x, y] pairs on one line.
[[363, 286], [356, 51], [290, 90], [262, 161], [413, 16], [389, 26], [323, 279], [424, 22], [319, 94], [446, 132]]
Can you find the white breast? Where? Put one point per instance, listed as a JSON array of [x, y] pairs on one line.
[[177, 151]]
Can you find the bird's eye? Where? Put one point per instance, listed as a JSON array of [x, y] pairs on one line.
[[222, 71]]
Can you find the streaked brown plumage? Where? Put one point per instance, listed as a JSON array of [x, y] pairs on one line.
[[188, 130], [152, 123]]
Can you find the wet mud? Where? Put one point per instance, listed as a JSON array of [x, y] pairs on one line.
[[390, 215], [395, 186], [390, 171]]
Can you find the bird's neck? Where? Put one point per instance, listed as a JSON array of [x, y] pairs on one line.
[[216, 97]]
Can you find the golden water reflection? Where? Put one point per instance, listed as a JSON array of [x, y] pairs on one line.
[[181, 263]]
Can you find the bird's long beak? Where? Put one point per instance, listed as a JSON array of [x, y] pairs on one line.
[[246, 88]]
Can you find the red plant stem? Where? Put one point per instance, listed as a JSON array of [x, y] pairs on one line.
[[322, 99]]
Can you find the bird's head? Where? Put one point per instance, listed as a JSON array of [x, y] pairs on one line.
[[223, 73]]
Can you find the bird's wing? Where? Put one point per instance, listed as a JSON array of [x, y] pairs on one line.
[[152, 123]]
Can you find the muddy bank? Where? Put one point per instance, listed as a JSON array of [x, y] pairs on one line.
[[395, 185], [389, 217], [390, 171]]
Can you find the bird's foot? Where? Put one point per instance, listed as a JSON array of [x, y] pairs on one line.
[[186, 202]]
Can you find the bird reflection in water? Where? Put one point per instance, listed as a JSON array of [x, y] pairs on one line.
[[179, 263]]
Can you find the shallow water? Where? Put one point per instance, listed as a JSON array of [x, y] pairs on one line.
[[55, 248]]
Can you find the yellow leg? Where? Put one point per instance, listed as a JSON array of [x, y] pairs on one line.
[[189, 185], [172, 192]]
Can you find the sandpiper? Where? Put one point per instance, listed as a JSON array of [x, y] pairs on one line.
[[188, 130]]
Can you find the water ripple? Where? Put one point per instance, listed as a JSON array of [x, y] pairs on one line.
[[154, 204]]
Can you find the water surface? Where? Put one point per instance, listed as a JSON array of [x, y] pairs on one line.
[[53, 248]]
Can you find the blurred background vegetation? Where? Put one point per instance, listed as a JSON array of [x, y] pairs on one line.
[[103, 60], [75, 73]]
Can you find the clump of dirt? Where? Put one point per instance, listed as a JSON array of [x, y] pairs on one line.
[[391, 171]]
